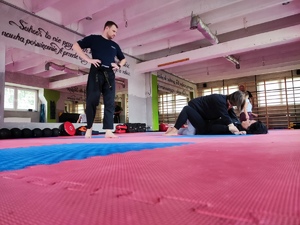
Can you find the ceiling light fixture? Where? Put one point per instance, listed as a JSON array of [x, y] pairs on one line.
[[233, 60]]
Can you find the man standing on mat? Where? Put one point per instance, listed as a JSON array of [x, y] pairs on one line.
[[101, 78]]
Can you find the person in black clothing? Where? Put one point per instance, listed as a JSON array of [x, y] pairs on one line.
[[101, 78], [206, 108], [118, 110], [245, 127], [218, 126]]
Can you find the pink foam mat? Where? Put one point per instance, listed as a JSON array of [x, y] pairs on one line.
[[212, 180]]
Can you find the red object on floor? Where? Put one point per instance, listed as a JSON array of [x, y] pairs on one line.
[[163, 127], [121, 128], [67, 128], [120, 131]]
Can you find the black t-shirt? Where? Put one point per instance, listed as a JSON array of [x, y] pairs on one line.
[[212, 107], [101, 48]]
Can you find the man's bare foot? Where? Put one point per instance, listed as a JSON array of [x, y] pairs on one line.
[[110, 134], [172, 131], [88, 133]]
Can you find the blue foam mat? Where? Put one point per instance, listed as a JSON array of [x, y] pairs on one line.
[[19, 158]]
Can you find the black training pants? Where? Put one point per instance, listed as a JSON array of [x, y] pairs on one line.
[[96, 85], [202, 126], [189, 113]]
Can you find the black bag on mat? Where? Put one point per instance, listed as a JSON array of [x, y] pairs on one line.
[[141, 127], [131, 127], [135, 127]]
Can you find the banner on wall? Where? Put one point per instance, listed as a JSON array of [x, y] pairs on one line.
[[175, 85], [172, 90], [25, 31]]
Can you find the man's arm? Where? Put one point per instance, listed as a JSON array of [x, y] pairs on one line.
[[117, 66], [81, 54], [122, 62]]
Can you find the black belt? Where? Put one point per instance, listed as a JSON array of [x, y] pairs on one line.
[[105, 71], [106, 78]]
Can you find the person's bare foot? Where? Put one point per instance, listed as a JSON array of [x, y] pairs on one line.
[[88, 133], [172, 131], [110, 134], [169, 130]]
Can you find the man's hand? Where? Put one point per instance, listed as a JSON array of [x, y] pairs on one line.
[[115, 66], [95, 62]]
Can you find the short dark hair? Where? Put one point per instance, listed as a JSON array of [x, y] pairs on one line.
[[257, 128], [110, 23]]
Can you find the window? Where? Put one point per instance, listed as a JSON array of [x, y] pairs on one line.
[[26, 99], [79, 108], [293, 90], [17, 98], [170, 105], [9, 98], [278, 92], [220, 90]]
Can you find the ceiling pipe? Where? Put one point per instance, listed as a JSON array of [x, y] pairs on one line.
[[197, 23], [64, 68]]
